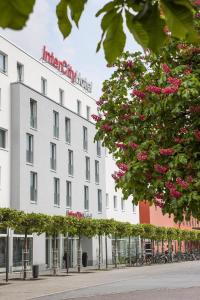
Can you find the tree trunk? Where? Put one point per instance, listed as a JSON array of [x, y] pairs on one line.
[[25, 254], [115, 254], [67, 258], [54, 255], [99, 262], [129, 250], [157, 246], [79, 254], [106, 246], [7, 255], [162, 246]]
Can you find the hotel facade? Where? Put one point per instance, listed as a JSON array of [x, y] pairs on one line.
[[49, 162]]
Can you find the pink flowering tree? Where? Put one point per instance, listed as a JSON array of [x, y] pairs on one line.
[[150, 121]]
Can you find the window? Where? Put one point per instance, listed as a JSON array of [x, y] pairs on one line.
[[115, 202], [33, 187], [20, 72], [52, 156], [122, 204], [96, 171], [33, 113], [43, 86], [85, 138], [99, 201], [55, 124], [3, 62], [88, 112], [56, 191], [86, 197], [87, 165], [107, 201], [79, 107], [70, 163], [98, 148], [68, 194], [3, 133], [68, 130], [29, 148], [61, 96]]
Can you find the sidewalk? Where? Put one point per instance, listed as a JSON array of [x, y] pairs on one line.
[[115, 280]]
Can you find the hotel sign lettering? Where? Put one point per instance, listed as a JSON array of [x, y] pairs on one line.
[[66, 69]]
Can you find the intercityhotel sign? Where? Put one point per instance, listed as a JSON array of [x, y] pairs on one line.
[[66, 69]]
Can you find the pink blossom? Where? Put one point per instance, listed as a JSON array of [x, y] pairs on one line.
[[114, 176], [153, 89], [194, 108], [125, 117], [142, 156], [197, 3], [167, 151], [169, 185], [190, 179], [183, 130], [123, 167], [120, 174], [129, 64], [170, 90], [188, 71], [96, 118], [148, 176], [160, 169], [182, 183], [125, 106], [197, 15], [197, 135], [166, 68], [142, 117], [133, 145], [138, 93], [179, 140], [175, 194], [122, 146], [100, 102], [174, 81], [106, 127]]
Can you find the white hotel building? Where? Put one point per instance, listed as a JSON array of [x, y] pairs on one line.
[[49, 162]]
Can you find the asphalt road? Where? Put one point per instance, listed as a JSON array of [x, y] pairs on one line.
[[180, 281]]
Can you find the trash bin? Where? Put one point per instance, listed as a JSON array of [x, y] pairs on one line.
[[35, 271], [84, 259]]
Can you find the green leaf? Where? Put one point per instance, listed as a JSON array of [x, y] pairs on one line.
[[64, 24], [77, 8], [115, 39], [137, 30], [106, 21], [179, 18], [107, 7], [15, 13], [148, 29]]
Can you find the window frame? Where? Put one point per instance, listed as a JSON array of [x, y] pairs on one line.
[[29, 148], [4, 70], [68, 194], [70, 162], [4, 139], [57, 191], [86, 198], [100, 202], [34, 187]]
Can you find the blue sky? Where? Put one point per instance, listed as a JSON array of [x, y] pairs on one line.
[[79, 49]]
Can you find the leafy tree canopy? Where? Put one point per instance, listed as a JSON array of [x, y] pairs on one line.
[[146, 21], [150, 121]]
